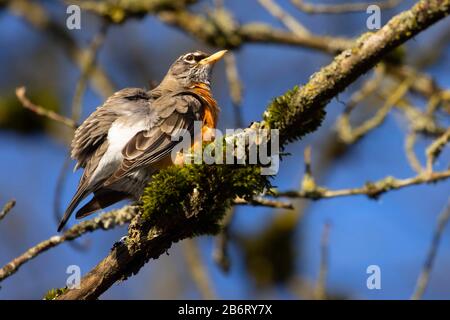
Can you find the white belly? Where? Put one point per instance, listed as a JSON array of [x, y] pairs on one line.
[[118, 136]]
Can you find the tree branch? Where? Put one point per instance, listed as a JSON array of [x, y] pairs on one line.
[[165, 221], [26, 103], [370, 189], [342, 7], [7, 208], [105, 222]]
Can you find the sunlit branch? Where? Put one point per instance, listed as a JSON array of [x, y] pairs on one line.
[[105, 221], [7, 208]]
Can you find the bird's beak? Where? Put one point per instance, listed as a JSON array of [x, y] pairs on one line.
[[213, 58]]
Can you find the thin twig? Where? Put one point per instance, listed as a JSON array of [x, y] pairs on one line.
[[367, 88], [320, 290], [198, 269], [235, 86], [370, 189], [106, 221], [34, 13], [20, 93], [410, 142], [342, 7], [419, 121], [87, 67], [350, 135], [7, 208], [435, 149], [284, 17], [220, 253], [264, 202], [424, 277]]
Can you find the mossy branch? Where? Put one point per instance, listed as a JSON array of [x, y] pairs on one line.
[[184, 202]]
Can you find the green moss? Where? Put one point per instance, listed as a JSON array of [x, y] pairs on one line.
[[200, 193], [294, 114], [52, 294]]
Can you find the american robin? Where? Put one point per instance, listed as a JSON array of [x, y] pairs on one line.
[[128, 138]]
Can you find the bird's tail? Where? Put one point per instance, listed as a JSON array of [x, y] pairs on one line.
[[102, 198], [77, 198]]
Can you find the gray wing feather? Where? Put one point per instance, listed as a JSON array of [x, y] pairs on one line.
[[176, 113], [94, 130]]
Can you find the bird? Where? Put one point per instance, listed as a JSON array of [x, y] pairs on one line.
[[128, 138]]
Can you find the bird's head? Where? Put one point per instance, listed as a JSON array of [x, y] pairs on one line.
[[191, 68]]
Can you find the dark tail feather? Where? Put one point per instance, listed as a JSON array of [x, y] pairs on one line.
[[102, 199], [80, 195]]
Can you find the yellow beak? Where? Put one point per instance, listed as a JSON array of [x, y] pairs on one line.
[[213, 58]]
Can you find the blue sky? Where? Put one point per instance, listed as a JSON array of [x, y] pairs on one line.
[[393, 232]]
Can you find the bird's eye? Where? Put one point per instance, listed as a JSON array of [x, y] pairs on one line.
[[189, 58]]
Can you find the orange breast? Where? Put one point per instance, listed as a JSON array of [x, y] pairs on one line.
[[210, 108]]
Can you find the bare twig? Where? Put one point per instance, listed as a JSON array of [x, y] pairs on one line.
[[220, 253], [424, 277], [420, 122], [367, 88], [289, 21], [264, 202], [20, 93], [235, 86], [370, 189], [342, 7], [34, 13], [198, 269], [320, 290], [435, 149], [350, 135], [105, 222], [410, 142], [7, 208], [87, 67]]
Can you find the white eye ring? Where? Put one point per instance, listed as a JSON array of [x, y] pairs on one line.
[[189, 58]]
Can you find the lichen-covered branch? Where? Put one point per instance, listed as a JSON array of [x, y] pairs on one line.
[[105, 222], [310, 99], [184, 202], [371, 189]]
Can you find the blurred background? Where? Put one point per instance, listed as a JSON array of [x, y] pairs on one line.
[[273, 253]]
